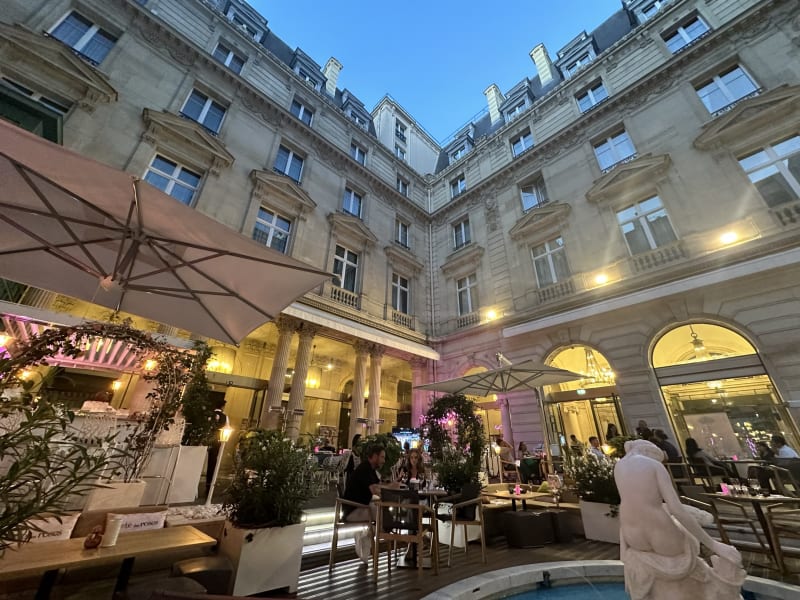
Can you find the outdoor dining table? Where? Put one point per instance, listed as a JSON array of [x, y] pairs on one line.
[[46, 558], [523, 496]]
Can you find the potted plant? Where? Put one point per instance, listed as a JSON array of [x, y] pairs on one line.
[[264, 508], [593, 480]]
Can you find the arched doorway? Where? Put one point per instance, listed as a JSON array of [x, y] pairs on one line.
[[716, 390], [583, 408]]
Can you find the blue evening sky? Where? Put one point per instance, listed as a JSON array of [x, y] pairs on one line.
[[434, 57]]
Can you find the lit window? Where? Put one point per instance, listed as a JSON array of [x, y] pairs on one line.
[[272, 230], [358, 153], [401, 233], [83, 36], [345, 268], [726, 89], [173, 179], [458, 186], [522, 143], [352, 202], [402, 186], [592, 97], [533, 195], [550, 262], [646, 226], [400, 293], [461, 235], [467, 290], [228, 58], [685, 34], [614, 150], [204, 110], [775, 171], [288, 163], [302, 112]]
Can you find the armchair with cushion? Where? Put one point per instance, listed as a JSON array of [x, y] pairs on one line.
[[467, 509]]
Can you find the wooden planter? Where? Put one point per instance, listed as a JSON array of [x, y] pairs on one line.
[[597, 525], [263, 559]]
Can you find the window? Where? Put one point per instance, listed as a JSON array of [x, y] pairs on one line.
[[646, 226], [592, 97], [400, 293], [574, 66], [83, 36], [775, 171], [302, 112], [305, 76], [352, 202], [345, 268], [239, 21], [614, 150], [461, 236], [399, 152], [288, 163], [59, 107], [173, 179], [726, 89], [458, 186], [458, 152], [533, 195], [550, 262], [400, 130], [358, 153], [651, 9], [516, 111], [272, 230], [685, 34], [467, 289], [402, 186], [204, 110], [360, 121], [401, 233], [228, 58], [522, 143]]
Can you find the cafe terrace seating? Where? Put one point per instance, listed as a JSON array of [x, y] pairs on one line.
[[467, 510]]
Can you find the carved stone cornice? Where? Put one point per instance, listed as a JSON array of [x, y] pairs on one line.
[[630, 179], [162, 39], [185, 140], [282, 193], [463, 260], [258, 105], [351, 230], [50, 66], [403, 259], [538, 220], [753, 121]]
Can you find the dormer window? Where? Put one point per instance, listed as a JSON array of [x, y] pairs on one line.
[[458, 152], [308, 78], [516, 111], [650, 10], [577, 64], [248, 28], [359, 120]]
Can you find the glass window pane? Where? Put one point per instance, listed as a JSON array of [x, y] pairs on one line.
[[236, 64], [544, 276], [750, 162], [98, 47], [194, 105], [626, 215], [156, 180], [182, 193], [71, 29], [712, 97], [560, 265], [214, 117], [189, 177], [649, 205], [788, 147], [636, 237], [164, 165], [772, 186], [296, 168], [660, 228], [738, 83]]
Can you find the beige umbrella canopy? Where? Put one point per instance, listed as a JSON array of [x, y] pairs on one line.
[[78, 227], [525, 375]]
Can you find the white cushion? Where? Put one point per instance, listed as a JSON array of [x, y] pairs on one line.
[[50, 529], [139, 521]]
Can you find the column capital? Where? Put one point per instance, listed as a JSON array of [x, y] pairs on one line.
[[286, 324], [377, 350], [361, 347], [308, 330]]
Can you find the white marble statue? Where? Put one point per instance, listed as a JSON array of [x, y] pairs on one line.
[[660, 538]]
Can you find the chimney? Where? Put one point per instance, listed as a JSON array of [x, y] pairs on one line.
[[331, 73], [494, 99], [544, 66]]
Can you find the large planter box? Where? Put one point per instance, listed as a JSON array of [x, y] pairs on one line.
[[115, 494], [188, 469], [263, 559], [596, 524]]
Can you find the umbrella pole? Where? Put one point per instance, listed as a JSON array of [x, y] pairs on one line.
[[545, 429]]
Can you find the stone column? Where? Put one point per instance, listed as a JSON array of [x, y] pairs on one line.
[[271, 411], [294, 413], [374, 406], [419, 398], [359, 380]]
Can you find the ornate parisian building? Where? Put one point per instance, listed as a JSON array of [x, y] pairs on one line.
[[629, 211]]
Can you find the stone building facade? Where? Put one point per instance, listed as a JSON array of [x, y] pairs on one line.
[[629, 210]]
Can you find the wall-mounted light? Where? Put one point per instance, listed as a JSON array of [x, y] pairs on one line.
[[221, 360], [115, 385], [491, 315], [601, 279], [150, 364], [729, 237], [5, 339]]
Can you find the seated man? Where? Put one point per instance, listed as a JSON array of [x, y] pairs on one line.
[[362, 485]]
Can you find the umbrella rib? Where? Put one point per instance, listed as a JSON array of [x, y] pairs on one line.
[[49, 215], [39, 194], [59, 246], [166, 290]]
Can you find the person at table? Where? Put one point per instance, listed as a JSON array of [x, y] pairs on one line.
[[764, 452], [413, 469], [611, 432], [522, 450], [781, 448], [643, 430], [595, 449], [698, 456], [353, 458], [327, 446], [575, 445], [660, 439]]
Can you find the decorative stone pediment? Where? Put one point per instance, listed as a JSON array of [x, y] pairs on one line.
[[754, 121], [630, 179], [351, 230], [282, 193], [463, 261], [539, 220], [403, 259], [185, 140], [51, 68]]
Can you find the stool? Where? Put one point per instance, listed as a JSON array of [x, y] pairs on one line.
[[528, 529], [213, 572], [562, 530]]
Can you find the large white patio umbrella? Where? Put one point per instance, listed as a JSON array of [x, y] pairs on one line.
[[75, 226]]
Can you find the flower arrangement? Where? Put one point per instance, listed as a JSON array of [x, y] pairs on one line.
[[594, 479], [454, 468]]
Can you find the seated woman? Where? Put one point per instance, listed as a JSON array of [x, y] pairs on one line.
[[413, 469], [698, 456]]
